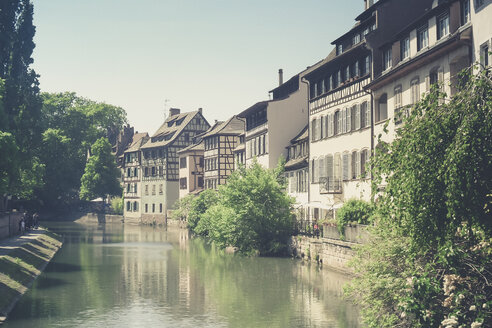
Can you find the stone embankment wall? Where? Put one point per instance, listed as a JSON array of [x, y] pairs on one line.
[[22, 260], [329, 249], [9, 224], [100, 218]]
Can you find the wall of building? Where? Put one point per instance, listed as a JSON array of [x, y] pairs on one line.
[[286, 117], [482, 31]]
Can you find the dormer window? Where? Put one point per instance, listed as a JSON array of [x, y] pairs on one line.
[[356, 39], [387, 59], [405, 48], [442, 26], [339, 49], [422, 37]]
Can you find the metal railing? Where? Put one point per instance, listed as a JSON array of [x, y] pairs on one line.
[[327, 185]]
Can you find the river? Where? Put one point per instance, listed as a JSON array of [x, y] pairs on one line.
[[140, 276]]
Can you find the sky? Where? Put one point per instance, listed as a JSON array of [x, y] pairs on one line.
[[148, 55]]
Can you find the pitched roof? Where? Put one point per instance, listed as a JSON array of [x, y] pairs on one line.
[[302, 135], [235, 125], [138, 141], [194, 147], [170, 129]]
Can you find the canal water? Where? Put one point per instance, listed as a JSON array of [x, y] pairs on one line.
[[132, 276]]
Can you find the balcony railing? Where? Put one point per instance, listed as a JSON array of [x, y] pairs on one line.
[[330, 185]]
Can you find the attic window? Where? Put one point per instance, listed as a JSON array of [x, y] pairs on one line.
[[178, 122], [169, 124]]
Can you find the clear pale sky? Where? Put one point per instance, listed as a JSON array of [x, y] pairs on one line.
[[221, 55]]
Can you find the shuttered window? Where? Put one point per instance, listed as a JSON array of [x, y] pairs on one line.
[[322, 128], [329, 170], [356, 119], [348, 112], [354, 165], [346, 166]]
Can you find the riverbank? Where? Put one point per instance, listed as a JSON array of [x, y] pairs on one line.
[[22, 259]]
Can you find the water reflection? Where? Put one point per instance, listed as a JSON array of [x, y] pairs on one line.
[[130, 276]]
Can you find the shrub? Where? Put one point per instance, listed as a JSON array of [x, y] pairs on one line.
[[117, 205], [353, 211]]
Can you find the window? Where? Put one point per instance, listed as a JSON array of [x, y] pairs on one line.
[[160, 208], [442, 26], [348, 119], [367, 65], [182, 163], [153, 189], [433, 78], [334, 81], [484, 54], [382, 109], [356, 39], [146, 171], [146, 208], [313, 129], [415, 90], [355, 69], [363, 161], [465, 11], [355, 117], [161, 171], [365, 119], [135, 172], [405, 48], [146, 190], [478, 3], [422, 38], [161, 189], [387, 60], [128, 206], [153, 208], [339, 77], [346, 166], [200, 182], [398, 103], [153, 171], [339, 49], [135, 206], [347, 73], [128, 188]]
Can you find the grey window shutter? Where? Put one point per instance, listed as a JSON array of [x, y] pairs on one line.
[[345, 167], [329, 170], [357, 117], [349, 119]]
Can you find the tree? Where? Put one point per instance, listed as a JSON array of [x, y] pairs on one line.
[[254, 214], [101, 174], [429, 263]]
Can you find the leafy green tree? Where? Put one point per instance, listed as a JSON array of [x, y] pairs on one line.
[[429, 263], [199, 205], [8, 162], [255, 212], [101, 174], [354, 210]]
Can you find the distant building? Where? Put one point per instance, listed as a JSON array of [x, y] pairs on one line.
[[160, 179], [191, 169], [121, 142], [297, 172], [240, 152], [132, 176], [270, 125], [219, 143]]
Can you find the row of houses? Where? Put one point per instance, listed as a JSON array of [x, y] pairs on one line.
[[324, 120]]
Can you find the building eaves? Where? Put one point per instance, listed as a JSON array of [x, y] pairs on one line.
[[258, 106], [192, 148], [304, 134], [368, 12]]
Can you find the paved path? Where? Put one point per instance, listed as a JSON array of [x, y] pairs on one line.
[[8, 245]]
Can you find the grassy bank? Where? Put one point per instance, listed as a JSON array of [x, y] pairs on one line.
[[20, 267]]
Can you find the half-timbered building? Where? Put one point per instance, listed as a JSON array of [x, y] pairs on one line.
[[340, 107], [160, 163], [132, 177], [219, 144]]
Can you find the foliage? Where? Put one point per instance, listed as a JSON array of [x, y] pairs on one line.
[[353, 211], [71, 125], [429, 263], [117, 205], [254, 212], [101, 174], [182, 207], [199, 205], [8, 161]]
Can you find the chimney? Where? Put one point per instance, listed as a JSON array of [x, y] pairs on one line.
[[280, 77], [200, 110], [174, 111]]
